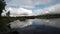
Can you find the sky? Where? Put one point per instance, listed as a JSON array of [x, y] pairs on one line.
[[34, 7]]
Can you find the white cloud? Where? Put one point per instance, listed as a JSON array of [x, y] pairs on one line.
[[51, 10], [27, 3], [18, 12]]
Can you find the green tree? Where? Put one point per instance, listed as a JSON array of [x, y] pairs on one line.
[[8, 13], [2, 6]]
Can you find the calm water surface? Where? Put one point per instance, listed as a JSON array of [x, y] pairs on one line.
[[30, 22]]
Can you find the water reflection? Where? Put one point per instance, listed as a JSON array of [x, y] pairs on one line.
[[21, 24], [48, 22]]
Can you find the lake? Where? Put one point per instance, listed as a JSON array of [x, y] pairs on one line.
[[30, 25], [49, 22]]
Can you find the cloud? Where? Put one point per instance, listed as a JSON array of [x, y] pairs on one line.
[[18, 12], [51, 10], [27, 3]]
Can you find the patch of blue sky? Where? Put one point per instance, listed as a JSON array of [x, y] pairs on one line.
[[41, 6], [15, 6], [7, 0], [57, 1]]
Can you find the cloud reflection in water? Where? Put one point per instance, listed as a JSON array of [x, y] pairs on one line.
[[48, 22], [20, 24]]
